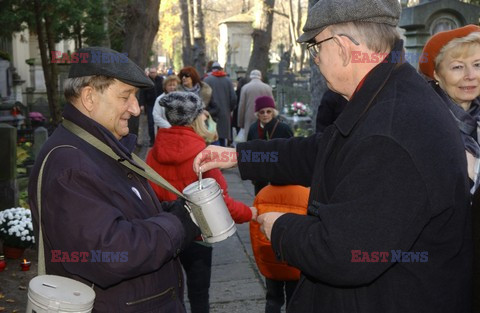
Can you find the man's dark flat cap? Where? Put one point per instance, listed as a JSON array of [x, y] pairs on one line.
[[110, 63], [328, 12]]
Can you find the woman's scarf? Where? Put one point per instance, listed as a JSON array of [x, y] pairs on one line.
[[195, 89], [468, 122]]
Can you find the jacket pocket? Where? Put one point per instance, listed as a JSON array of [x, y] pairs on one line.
[[170, 290]]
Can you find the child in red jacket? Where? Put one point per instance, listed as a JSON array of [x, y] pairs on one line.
[[172, 157]]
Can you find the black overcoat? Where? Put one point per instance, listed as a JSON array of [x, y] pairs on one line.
[[388, 226]]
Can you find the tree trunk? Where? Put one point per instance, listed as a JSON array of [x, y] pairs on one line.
[[141, 26], [318, 85], [51, 96], [262, 35], [186, 38], [199, 38], [53, 85]]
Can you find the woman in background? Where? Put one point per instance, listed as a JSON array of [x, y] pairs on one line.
[[169, 85]]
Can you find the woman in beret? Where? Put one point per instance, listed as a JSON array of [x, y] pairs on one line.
[[453, 63], [451, 59], [172, 157]]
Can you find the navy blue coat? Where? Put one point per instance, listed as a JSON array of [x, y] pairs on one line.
[[90, 202], [388, 177]]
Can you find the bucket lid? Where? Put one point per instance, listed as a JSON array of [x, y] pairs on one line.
[[69, 294], [209, 188]]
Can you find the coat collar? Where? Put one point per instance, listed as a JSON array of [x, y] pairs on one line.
[[123, 147], [366, 94]]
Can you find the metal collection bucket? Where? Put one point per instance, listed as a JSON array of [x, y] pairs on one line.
[[51, 293], [211, 213]]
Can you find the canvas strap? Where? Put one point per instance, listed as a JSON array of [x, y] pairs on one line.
[[41, 252]]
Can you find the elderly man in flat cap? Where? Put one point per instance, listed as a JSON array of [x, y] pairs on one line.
[[101, 222], [388, 224]]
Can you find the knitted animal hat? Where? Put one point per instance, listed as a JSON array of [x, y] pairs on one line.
[[181, 108]]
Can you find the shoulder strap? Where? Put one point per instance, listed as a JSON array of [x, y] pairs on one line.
[[41, 252], [146, 172], [273, 131]]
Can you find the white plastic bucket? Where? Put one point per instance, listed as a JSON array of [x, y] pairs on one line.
[[212, 215], [51, 293]]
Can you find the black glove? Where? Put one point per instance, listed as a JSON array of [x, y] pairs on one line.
[[178, 209]]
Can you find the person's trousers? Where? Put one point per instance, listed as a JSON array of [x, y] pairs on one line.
[[277, 291], [197, 263], [151, 124]]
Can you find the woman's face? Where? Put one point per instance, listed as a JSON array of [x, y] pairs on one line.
[[460, 77], [265, 115], [171, 86], [187, 80]]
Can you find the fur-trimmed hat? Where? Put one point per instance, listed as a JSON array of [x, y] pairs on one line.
[[181, 108]]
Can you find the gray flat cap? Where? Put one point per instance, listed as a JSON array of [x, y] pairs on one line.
[[328, 12], [107, 62]]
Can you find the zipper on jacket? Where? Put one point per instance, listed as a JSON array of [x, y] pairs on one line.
[[153, 297]]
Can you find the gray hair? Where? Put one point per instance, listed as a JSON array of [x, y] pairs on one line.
[[458, 46], [72, 87], [377, 37], [275, 113]]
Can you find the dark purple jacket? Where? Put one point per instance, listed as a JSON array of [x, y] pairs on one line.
[[388, 178], [90, 202]]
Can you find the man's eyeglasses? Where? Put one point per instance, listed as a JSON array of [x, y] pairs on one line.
[[314, 47], [261, 112]]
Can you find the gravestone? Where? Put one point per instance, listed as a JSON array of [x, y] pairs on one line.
[[8, 170], [430, 17], [40, 136]]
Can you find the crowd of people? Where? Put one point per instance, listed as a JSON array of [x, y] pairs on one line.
[[393, 173]]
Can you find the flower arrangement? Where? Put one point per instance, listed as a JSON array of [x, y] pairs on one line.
[[16, 229], [298, 109]]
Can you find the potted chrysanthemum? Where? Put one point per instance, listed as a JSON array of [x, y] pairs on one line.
[[16, 231]]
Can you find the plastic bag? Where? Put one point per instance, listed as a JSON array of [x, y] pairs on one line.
[[241, 136]]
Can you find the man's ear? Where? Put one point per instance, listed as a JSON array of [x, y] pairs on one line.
[[345, 50], [87, 98]]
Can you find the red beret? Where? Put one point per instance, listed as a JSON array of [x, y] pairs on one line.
[[437, 42], [263, 102]]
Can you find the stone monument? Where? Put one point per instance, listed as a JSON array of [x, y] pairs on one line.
[[430, 17]]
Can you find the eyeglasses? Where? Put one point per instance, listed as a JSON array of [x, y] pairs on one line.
[[314, 47], [261, 112], [185, 75]]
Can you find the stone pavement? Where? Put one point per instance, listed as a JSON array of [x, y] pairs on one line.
[[237, 285]]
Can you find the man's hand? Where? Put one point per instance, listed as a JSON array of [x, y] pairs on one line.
[[214, 157], [266, 221], [254, 213]]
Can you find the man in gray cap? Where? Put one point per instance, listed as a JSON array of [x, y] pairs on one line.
[[102, 224], [388, 224]]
